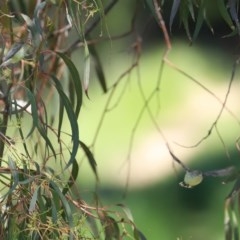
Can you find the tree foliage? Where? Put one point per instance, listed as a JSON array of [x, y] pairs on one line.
[[41, 86]]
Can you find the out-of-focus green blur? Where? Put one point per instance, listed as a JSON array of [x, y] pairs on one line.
[[185, 107]]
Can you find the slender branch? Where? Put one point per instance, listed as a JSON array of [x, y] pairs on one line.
[[162, 24]]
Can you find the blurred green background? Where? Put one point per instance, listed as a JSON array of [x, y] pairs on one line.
[[160, 207]]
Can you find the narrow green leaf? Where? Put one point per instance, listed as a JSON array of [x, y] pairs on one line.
[[34, 111], [234, 14], [33, 201], [138, 235], [235, 226], [60, 118], [111, 228], [127, 211], [66, 207], [87, 63], [150, 5], [42, 131], [90, 158], [175, 7], [71, 117], [54, 211], [191, 9], [14, 170], [200, 20], [227, 225], [184, 15], [224, 13], [42, 207], [98, 67], [76, 80], [73, 177]]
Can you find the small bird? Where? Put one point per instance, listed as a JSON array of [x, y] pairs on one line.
[[15, 54], [192, 178]]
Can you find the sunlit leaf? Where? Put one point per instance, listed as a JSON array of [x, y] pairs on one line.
[[33, 201], [235, 226]]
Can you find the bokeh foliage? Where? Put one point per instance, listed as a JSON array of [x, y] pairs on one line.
[[41, 86]]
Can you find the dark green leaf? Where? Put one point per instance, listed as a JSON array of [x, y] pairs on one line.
[[138, 235], [98, 67], [90, 158], [224, 13], [72, 119], [233, 11], [76, 80], [111, 228], [191, 9], [72, 178], [200, 20], [87, 64], [66, 207], [175, 7], [184, 15], [34, 111]]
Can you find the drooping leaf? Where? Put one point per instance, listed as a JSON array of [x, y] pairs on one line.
[[227, 225], [98, 67], [34, 111], [87, 64], [138, 235], [33, 201], [234, 14], [235, 225], [76, 80], [66, 207], [184, 17], [224, 13], [175, 7], [90, 158], [200, 20], [191, 9], [111, 228], [72, 119], [127, 211], [72, 178]]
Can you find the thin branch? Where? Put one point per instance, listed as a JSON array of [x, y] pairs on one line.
[[162, 24], [223, 107]]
